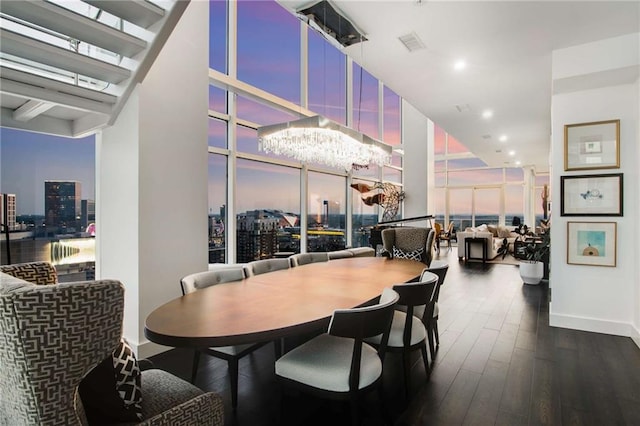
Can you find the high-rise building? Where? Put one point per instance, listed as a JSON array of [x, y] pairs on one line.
[[88, 213], [62, 204], [8, 210]]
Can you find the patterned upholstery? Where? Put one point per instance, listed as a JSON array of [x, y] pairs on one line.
[[40, 273], [409, 239], [51, 336]]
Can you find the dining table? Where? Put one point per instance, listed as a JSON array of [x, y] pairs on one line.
[[276, 304]]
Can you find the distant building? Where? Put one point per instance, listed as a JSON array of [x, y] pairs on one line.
[[88, 213], [8, 210], [62, 205], [257, 235]]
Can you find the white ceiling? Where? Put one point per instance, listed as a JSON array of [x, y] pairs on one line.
[[507, 46]]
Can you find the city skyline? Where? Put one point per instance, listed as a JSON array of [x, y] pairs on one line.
[[29, 159]]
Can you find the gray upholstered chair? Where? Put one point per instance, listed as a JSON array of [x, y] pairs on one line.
[[337, 364], [263, 266], [408, 332], [409, 242], [340, 254], [306, 258], [439, 268], [51, 336], [362, 251], [231, 354]]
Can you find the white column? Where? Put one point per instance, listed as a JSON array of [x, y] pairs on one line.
[[152, 179]]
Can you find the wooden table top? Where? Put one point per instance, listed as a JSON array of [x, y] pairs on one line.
[[276, 304]]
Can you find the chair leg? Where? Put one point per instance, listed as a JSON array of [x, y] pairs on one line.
[[233, 377], [194, 366], [426, 360], [435, 331], [432, 345]]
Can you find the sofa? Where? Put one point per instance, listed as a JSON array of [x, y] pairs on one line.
[[494, 236], [54, 336]]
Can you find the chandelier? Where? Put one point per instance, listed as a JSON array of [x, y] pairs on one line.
[[319, 140]]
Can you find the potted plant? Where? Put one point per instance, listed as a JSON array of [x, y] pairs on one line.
[[532, 267]]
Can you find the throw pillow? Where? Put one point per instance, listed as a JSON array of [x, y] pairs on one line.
[[112, 391], [503, 232], [413, 255], [493, 230]]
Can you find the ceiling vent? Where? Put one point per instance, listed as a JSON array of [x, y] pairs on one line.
[[463, 108], [486, 137], [412, 42]]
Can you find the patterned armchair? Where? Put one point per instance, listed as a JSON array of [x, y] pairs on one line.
[[409, 242], [51, 336]]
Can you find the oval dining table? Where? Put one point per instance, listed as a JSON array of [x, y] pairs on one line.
[[276, 304]]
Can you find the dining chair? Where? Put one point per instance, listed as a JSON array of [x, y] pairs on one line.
[[300, 259], [446, 235], [231, 354], [338, 364], [340, 254], [263, 266], [408, 332], [437, 228], [439, 268]]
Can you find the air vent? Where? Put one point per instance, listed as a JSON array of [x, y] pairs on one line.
[[412, 42], [486, 137], [463, 108]]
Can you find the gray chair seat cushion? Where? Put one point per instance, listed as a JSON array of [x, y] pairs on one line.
[[418, 332], [325, 361], [162, 391]]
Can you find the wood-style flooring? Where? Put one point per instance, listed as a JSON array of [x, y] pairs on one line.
[[499, 363]]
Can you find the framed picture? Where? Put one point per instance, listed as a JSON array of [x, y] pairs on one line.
[[591, 195], [592, 145], [591, 243]]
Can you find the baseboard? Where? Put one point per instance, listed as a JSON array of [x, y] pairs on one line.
[[615, 328]]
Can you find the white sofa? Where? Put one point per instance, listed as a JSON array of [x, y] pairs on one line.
[[494, 235]]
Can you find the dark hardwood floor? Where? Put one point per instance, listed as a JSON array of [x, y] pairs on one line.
[[499, 363]]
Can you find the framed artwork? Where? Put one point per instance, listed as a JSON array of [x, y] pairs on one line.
[[592, 145], [591, 243], [591, 195]]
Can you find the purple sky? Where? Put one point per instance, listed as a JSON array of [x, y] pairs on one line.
[[28, 159]]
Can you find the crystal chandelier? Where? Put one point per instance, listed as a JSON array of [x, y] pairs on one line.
[[319, 140]]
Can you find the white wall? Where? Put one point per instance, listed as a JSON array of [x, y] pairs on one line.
[[415, 141], [600, 299], [153, 170]]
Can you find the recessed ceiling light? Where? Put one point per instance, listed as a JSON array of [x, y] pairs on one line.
[[459, 65], [512, 153], [502, 138], [487, 113], [518, 163]]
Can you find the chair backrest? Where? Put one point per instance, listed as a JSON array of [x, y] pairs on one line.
[[362, 251], [360, 323], [437, 228], [440, 269], [409, 239], [39, 273], [306, 258], [418, 298], [200, 280], [50, 338], [450, 229], [340, 254], [263, 266]]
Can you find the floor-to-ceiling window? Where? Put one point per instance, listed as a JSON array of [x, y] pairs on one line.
[[266, 188], [48, 185]]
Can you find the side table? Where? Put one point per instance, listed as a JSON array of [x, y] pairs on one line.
[[469, 242]]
